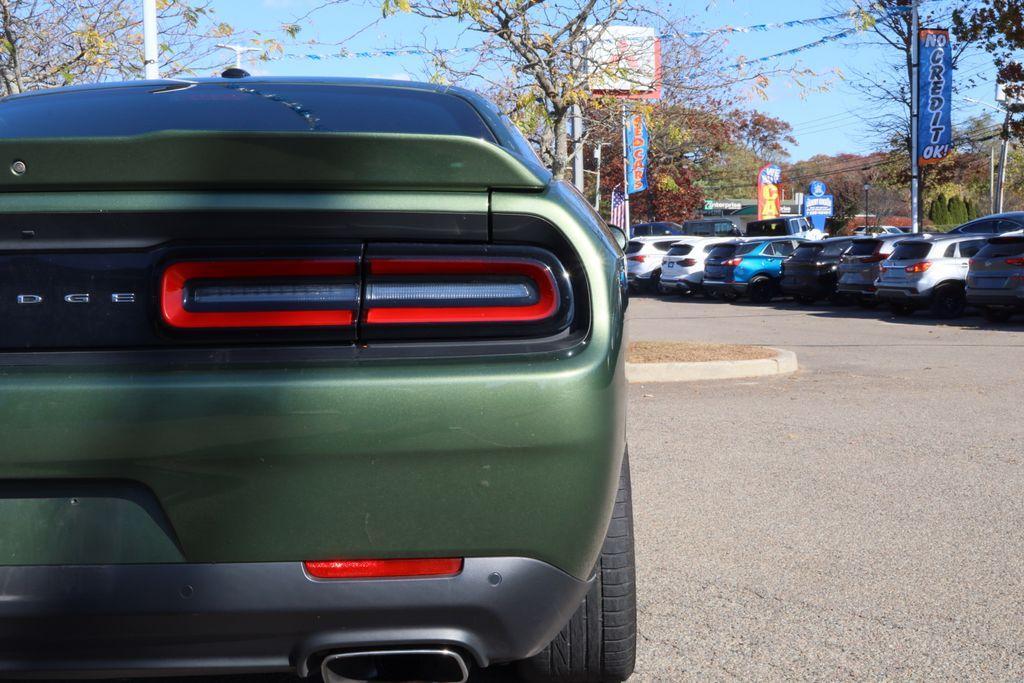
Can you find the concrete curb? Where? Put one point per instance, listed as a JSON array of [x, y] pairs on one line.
[[783, 363]]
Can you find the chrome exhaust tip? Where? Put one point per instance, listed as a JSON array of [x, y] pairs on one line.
[[433, 665]]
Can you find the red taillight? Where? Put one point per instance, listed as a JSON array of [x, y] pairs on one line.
[[383, 569], [1015, 261], [418, 291], [919, 267], [687, 262], [733, 261], [639, 258], [260, 293], [876, 258]]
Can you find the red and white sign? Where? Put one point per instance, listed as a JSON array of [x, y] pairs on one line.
[[626, 63]]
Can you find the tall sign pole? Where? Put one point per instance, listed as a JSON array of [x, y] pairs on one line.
[[150, 40], [625, 167], [915, 113]]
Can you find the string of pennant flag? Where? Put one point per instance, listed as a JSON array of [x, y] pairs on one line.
[[833, 19]]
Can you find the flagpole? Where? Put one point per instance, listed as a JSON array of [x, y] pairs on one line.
[[625, 172]]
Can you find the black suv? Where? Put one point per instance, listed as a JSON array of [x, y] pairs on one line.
[[812, 271]]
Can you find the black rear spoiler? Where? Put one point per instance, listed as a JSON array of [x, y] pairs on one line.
[[210, 160]]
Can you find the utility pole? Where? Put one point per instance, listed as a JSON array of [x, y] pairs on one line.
[[577, 148], [149, 29], [597, 182], [998, 182], [238, 50], [867, 188], [915, 114]]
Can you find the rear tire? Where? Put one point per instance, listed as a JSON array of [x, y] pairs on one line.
[[948, 301], [598, 645], [997, 315], [761, 290]]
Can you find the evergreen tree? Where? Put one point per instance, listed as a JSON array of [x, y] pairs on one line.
[[957, 211], [972, 209], [939, 211]]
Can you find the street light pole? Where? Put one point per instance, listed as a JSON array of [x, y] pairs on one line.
[[597, 182], [149, 30], [867, 187]]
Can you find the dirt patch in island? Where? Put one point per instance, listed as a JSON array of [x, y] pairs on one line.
[[693, 352]]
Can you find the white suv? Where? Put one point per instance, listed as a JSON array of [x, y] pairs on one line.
[[643, 260], [928, 273], [682, 268]]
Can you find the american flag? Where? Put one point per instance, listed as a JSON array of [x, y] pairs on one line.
[[618, 207]]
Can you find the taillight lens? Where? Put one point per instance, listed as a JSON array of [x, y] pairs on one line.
[[876, 258], [733, 261], [260, 293], [1015, 261], [919, 267], [383, 569], [638, 258], [687, 262]]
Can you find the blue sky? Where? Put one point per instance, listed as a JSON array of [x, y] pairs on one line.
[[827, 122]]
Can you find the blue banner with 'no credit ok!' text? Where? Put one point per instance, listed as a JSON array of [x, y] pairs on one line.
[[935, 95]]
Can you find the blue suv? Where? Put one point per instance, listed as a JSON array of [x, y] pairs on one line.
[[747, 267]]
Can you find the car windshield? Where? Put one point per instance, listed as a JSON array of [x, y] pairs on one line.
[[1001, 248], [240, 107], [910, 250], [863, 247], [680, 250]]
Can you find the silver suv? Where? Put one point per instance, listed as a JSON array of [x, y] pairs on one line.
[[995, 281], [859, 269], [928, 274]]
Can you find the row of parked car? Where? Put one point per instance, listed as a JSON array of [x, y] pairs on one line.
[[979, 263]]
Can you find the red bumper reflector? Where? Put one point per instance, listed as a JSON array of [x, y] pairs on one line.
[[545, 306], [383, 569], [177, 276]]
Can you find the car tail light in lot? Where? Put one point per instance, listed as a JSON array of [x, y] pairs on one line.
[[638, 258], [919, 267], [415, 291], [687, 262], [260, 293], [383, 569], [875, 258], [733, 261], [1015, 261]]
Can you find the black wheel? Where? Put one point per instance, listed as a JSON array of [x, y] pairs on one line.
[[997, 315], [655, 284], [948, 301], [598, 645], [761, 290], [901, 309], [804, 299]]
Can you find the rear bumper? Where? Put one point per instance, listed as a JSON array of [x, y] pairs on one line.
[[718, 287], [112, 620], [856, 288], [887, 293], [674, 286], [807, 285], [1003, 298]]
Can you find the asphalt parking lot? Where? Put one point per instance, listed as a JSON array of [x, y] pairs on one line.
[[862, 519]]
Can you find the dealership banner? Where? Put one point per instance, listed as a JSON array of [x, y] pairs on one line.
[[769, 199], [819, 205], [637, 143], [935, 95]]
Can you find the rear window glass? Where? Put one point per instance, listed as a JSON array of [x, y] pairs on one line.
[[911, 250], [723, 251], [806, 252], [680, 250], [239, 107], [1002, 248], [863, 247], [969, 249], [747, 248], [835, 248], [634, 247], [768, 228]]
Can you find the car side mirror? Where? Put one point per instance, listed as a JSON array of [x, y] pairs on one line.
[[620, 236]]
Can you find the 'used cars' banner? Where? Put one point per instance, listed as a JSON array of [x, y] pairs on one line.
[[935, 95], [769, 203], [637, 141]]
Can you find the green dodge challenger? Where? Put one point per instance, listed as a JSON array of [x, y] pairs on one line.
[[312, 376]]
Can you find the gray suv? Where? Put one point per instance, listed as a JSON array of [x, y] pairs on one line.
[[860, 267], [931, 274], [995, 280]]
